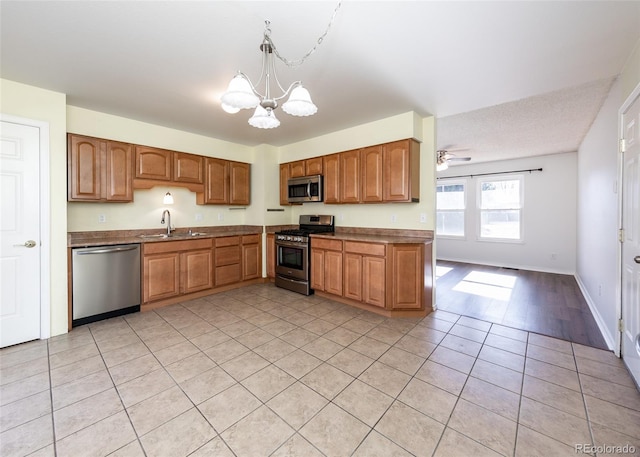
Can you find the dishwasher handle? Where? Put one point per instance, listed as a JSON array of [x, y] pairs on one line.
[[107, 250]]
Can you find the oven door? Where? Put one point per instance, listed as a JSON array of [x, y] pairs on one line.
[[292, 260]]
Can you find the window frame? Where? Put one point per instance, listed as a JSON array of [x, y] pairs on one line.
[[479, 209], [464, 209]]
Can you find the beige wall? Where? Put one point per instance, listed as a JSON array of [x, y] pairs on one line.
[[33, 103], [388, 215], [146, 209]]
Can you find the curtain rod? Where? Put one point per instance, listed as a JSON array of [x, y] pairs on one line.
[[495, 173]]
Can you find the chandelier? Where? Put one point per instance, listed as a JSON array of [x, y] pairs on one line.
[[242, 94]]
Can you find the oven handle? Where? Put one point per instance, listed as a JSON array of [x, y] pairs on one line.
[[292, 244]]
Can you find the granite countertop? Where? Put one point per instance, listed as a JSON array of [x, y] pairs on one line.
[[107, 238], [374, 238]]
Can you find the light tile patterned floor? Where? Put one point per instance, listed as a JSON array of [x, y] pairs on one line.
[[261, 371]]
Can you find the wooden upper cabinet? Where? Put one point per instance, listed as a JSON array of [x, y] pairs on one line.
[[99, 170], [84, 162], [153, 163], [284, 184], [187, 168], [297, 169], [401, 162], [239, 183], [331, 168], [372, 174], [350, 176], [118, 180], [313, 166], [216, 190]]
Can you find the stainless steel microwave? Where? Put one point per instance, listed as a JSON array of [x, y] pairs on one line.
[[305, 189]]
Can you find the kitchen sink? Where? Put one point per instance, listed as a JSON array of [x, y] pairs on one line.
[[157, 235]]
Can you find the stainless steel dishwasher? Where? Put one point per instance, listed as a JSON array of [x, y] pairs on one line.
[[106, 282]]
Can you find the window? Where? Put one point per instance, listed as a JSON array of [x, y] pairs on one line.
[[450, 207], [500, 205]]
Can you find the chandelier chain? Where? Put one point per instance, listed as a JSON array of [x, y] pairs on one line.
[[301, 60]]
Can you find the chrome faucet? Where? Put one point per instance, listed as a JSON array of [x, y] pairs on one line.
[[169, 228]]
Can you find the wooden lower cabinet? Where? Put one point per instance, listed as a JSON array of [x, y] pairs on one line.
[[326, 266], [408, 276], [271, 255], [196, 269], [251, 257], [161, 276], [394, 278], [228, 258], [173, 268]]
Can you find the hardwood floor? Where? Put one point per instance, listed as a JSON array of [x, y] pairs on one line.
[[545, 303]]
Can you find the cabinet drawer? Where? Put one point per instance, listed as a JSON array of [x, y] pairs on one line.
[[251, 239], [228, 274], [227, 255], [322, 243], [227, 241], [175, 246], [365, 248]]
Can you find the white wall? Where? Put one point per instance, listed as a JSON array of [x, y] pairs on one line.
[[549, 217], [597, 256]]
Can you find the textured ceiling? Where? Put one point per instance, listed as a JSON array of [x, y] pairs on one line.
[[168, 63]]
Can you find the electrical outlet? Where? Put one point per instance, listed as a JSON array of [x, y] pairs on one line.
[[394, 218], [553, 256], [220, 217], [423, 218], [198, 217], [102, 218]]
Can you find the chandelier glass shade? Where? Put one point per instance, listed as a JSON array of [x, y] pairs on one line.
[[242, 94]]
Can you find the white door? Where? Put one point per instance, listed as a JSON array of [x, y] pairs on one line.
[[631, 239], [20, 250]]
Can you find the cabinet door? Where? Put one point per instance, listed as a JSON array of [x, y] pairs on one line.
[[350, 177], [353, 276], [84, 167], [373, 278], [408, 277], [196, 270], [187, 167], [271, 255], [313, 166], [401, 161], [118, 184], [317, 269], [296, 169], [333, 272], [331, 167], [372, 173], [284, 183], [217, 181], [251, 261], [239, 183], [152, 163], [161, 276]]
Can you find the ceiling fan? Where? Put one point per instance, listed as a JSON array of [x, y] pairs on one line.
[[444, 156]]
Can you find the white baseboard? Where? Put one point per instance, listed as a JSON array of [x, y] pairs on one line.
[[608, 337]]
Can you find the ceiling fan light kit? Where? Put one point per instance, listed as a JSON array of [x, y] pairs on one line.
[[242, 94], [444, 157]]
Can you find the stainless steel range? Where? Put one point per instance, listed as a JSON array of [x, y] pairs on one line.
[[293, 251]]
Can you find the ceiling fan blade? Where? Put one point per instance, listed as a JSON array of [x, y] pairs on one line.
[[459, 159]]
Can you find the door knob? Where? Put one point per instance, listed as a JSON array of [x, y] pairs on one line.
[[636, 259], [27, 244]]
